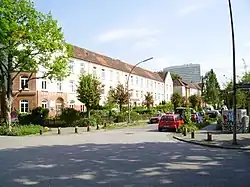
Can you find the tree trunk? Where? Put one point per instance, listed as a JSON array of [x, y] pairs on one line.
[[88, 112], [120, 107], [8, 101]]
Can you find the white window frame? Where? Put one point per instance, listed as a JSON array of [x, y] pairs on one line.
[[82, 108], [142, 82], [71, 66], [72, 85], [24, 106], [24, 79], [72, 104], [59, 86], [131, 80], [110, 75], [44, 84], [94, 72], [103, 74], [82, 68], [45, 103]]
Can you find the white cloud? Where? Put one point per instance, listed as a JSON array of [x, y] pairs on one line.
[[189, 9], [146, 44], [122, 34]]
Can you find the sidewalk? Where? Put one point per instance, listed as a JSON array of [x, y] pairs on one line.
[[219, 139]]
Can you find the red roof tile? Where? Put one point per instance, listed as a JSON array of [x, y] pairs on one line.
[[89, 56]]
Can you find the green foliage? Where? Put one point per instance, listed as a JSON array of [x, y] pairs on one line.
[[194, 101], [175, 76], [176, 99], [187, 116], [211, 88], [21, 130], [29, 40], [37, 116], [69, 115], [190, 127], [89, 92], [119, 95], [149, 101], [167, 107]]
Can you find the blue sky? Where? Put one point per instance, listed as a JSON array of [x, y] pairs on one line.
[[172, 31]]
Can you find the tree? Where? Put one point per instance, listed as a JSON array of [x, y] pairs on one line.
[[175, 76], [211, 88], [89, 92], [149, 101], [176, 99], [120, 95], [29, 41], [194, 100]]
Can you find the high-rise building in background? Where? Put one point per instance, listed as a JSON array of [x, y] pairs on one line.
[[188, 72]]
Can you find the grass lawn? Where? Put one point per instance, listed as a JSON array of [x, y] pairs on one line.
[[21, 130], [124, 125]]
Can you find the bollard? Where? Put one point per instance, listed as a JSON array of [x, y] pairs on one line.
[[192, 134], [105, 125], [185, 132], [59, 130], [97, 127], [76, 129], [41, 132], [88, 128], [209, 136]]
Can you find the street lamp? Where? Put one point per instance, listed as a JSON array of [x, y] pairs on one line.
[[128, 83], [234, 74]]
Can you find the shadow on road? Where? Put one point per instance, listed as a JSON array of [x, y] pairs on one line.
[[143, 164]]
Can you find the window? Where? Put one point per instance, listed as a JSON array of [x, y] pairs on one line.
[[137, 80], [24, 106], [59, 85], [44, 103], [155, 85], [131, 80], [151, 84], [24, 82], [110, 75], [72, 104], [142, 82], [159, 96], [141, 94], [103, 74], [71, 67], [82, 108], [94, 72], [167, 87], [72, 86], [155, 96], [82, 68], [137, 94], [117, 76], [44, 85]]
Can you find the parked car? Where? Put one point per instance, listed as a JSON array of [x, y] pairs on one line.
[[156, 118], [181, 112], [170, 121], [213, 113]]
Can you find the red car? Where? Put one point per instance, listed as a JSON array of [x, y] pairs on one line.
[[170, 121]]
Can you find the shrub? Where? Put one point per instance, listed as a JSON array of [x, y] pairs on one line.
[[37, 116], [167, 107], [190, 127], [21, 130], [187, 116], [83, 122], [69, 116]]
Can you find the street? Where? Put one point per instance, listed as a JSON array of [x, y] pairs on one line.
[[138, 156]]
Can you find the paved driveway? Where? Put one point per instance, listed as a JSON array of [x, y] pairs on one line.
[[125, 157]]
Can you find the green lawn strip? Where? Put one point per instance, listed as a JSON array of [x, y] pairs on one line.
[[22, 130], [124, 125]]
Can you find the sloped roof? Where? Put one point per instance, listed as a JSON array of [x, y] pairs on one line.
[[89, 56], [179, 82]]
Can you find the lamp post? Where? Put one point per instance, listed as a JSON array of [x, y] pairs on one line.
[[128, 83], [234, 74]]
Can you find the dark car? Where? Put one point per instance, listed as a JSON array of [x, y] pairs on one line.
[[156, 118], [181, 112]]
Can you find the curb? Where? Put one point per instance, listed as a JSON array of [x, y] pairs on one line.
[[210, 145]]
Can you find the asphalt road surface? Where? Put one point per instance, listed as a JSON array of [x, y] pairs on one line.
[[126, 157]]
